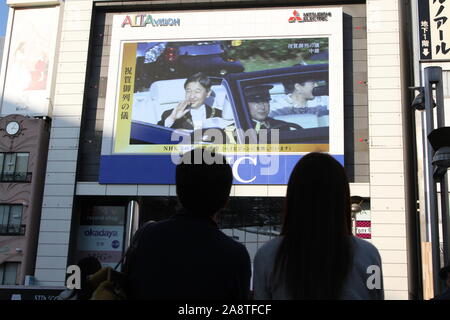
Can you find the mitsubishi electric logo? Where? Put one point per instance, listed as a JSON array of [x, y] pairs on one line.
[[309, 17], [296, 17]]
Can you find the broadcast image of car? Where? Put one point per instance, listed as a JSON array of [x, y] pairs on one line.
[[263, 98], [171, 60], [309, 125]]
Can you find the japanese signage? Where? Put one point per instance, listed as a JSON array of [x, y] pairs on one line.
[[101, 234], [434, 29]]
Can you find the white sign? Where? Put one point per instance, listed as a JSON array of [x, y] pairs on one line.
[[28, 80], [102, 238]]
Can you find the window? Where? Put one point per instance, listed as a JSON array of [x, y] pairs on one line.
[[10, 220], [8, 273], [14, 167]]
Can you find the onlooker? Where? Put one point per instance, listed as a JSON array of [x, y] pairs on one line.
[[444, 274], [316, 256], [88, 266], [187, 256]]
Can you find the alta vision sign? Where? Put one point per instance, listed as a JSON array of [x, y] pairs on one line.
[[142, 20]]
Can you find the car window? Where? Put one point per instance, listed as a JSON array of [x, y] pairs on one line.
[[308, 109]]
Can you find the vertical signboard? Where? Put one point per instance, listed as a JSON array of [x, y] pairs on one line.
[[434, 29], [27, 82], [363, 222], [101, 234]]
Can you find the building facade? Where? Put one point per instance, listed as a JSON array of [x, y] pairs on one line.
[[76, 206]]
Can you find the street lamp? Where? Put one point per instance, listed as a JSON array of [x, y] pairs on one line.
[[436, 162]]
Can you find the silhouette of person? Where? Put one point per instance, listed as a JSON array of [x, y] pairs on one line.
[[316, 256], [187, 256], [444, 274], [88, 266]]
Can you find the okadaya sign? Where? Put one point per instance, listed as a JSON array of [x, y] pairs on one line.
[[238, 51], [103, 242]]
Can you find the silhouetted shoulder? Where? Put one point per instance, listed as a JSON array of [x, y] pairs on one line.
[[268, 250], [366, 248], [233, 246]]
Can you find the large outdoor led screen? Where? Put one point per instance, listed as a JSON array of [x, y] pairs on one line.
[[262, 86]]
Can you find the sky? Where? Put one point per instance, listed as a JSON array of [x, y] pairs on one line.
[[3, 17]]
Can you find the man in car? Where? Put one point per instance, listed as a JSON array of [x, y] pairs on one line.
[[299, 94], [258, 100], [192, 111]]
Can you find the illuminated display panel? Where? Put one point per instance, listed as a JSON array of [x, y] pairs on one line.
[[262, 86]]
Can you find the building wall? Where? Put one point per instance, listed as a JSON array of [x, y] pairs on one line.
[[386, 147], [63, 148], [32, 139], [384, 158]]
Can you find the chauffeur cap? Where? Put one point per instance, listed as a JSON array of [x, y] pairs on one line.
[[258, 93]]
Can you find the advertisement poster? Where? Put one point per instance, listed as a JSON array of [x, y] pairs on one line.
[[259, 93], [30, 59], [101, 235]]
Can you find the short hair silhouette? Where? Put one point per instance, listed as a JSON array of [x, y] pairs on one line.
[[315, 253], [203, 188]]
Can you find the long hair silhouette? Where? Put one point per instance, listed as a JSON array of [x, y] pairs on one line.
[[315, 254]]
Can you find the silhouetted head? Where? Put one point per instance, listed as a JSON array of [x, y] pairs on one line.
[[318, 196], [89, 265], [203, 181]]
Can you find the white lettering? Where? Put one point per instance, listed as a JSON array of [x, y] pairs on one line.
[[236, 169], [195, 310], [74, 280], [374, 281]]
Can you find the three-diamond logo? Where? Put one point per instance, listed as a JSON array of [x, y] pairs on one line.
[[296, 17]]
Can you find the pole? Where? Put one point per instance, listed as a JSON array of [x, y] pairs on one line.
[[443, 179], [432, 76], [132, 223]]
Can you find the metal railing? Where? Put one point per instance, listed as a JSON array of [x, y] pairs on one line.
[[16, 177], [12, 229]]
